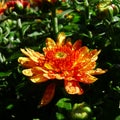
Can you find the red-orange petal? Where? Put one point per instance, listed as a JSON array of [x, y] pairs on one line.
[[85, 77], [92, 55], [81, 53], [73, 87], [68, 43], [77, 45], [48, 94]]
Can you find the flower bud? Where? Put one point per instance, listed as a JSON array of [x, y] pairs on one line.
[[115, 8], [19, 5], [81, 111], [107, 10]]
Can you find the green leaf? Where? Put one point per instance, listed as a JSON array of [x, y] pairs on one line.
[[35, 34], [10, 106], [25, 28], [118, 117], [7, 32], [66, 12], [64, 103], [116, 49], [14, 56], [19, 23], [60, 116], [5, 74], [2, 58], [76, 18]]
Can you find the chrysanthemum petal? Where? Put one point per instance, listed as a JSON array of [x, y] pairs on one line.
[[83, 50], [48, 95], [61, 39], [26, 62], [35, 74], [88, 66], [73, 87], [98, 71], [90, 79], [77, 45], [33, 71], [27, 72], [48, 66], [52, 75], [34, 53], [35, 56], [50, 43], [85, 78], [68, 43], [80, 53], [93, 55], [38, 78], [88, 60]]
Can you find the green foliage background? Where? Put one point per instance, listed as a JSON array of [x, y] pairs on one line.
[[96, 27]]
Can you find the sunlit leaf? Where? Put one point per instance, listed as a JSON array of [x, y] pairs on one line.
[[35, 34], [64, 103]]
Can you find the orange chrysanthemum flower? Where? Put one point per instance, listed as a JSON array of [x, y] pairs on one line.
[[61, 61]]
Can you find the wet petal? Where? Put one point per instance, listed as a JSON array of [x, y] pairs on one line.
[[53, 75], [73, 87], [85, 78], [88, 66], [93, 55], [88, 60], [90, 79], [80, 53], [48, 95]]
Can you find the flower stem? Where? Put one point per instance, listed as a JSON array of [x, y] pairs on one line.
[[86, 4], [54, 21]]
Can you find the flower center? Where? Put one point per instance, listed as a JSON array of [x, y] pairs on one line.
[[60, 55]]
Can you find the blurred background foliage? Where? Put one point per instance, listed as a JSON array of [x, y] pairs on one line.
[[96, 23]]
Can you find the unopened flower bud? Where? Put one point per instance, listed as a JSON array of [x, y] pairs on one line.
[[81, 111]]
